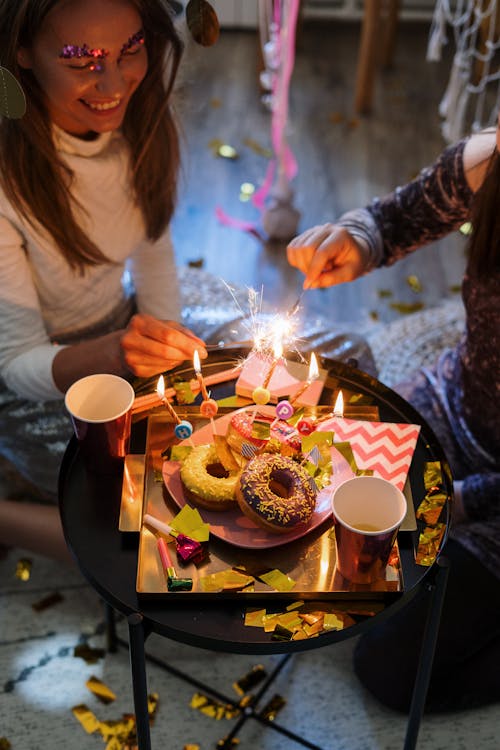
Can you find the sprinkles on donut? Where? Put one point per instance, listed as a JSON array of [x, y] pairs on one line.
[[276, 492]]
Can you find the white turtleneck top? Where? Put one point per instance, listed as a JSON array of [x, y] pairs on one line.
[[41, 297]]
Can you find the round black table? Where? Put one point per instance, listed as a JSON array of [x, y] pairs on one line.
[[90, 507]]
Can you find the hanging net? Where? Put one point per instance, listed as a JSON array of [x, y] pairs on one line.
[[472, 97]]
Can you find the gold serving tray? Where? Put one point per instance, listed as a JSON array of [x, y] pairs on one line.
[[309, 561]]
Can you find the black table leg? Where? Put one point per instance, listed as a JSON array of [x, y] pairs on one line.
[[111, 637], [139, 681], [438, 589]]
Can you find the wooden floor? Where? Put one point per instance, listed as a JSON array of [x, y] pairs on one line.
[[343, 161]]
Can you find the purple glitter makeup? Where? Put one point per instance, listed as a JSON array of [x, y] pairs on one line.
[[137, 38], [70, 51]]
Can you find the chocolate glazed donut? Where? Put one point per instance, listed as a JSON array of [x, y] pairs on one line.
[[276, 492]]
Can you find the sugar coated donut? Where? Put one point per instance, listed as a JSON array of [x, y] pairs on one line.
[[276, 492], [205, 480]]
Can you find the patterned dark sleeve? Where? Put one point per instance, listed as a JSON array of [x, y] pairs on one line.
[[432, 205], [481, 496]]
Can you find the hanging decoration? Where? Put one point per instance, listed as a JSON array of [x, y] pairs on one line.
[[274, 198], [12, 99], [277, 27], [472, 97], [202, 22]]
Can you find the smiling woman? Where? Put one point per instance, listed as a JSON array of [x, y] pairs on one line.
[[88, 57], [88, 184]]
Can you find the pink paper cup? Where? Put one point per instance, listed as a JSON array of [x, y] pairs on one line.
[[367, 512], [100, 409]]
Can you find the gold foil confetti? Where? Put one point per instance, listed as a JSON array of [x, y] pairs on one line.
[[374, 315], [432, 474], [414, 283], [47, 602], [213, 708], [225, 151], [23, 568], [250, 679], [331, 621], [153, 700], [430, 508], [246, 191], [100, 690], [428, 544], [180, 452], [198, 263], [272, 708], [336, 118], [189, 522], [87, 719], [114, 744], [455, 288], [314, 629], [281, 633], [466, 228], [406, 308], [383, 293], [255, 618], [278, 580], [295, 605], [88, 654], [227, 743], [225, 580], [158, 476], [257, 148], [183, 392], [215, 103]]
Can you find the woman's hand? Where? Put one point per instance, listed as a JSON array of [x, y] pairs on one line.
[[150, 346], [328, 255]]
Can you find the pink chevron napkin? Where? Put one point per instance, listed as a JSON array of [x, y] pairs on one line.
[[384, 447]]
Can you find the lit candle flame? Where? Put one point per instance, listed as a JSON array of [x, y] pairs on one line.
[[160, 388], [199, 376], [196, 362], [313, 368], [312, 376], [338, 409]]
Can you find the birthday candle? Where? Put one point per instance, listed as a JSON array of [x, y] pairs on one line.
[[208, 407], [312, 376], [183, 428]]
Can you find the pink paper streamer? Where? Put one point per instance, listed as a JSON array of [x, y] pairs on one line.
[[284, 158], [230, 221]]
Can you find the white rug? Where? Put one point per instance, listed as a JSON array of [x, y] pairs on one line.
[[41, 680]]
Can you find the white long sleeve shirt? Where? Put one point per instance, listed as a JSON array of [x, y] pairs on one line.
[[41, 297]]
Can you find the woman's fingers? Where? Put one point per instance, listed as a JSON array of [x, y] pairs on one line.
[[327, 255], [151, 346]]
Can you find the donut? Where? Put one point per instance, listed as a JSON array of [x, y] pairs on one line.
[[276, 492], [206, 482], [239, 431]]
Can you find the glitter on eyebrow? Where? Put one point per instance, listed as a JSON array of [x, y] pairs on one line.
[[69, 51], [137, 38]]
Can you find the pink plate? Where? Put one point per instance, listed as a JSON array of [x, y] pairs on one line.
[[233, 526]]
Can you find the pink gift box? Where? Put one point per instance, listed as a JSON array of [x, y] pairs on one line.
[[286, 379]]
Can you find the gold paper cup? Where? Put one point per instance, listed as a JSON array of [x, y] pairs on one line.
[[367, 512], [100, 409]]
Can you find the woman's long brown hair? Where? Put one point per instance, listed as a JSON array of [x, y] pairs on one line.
[[33, 176], [484, 245]]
